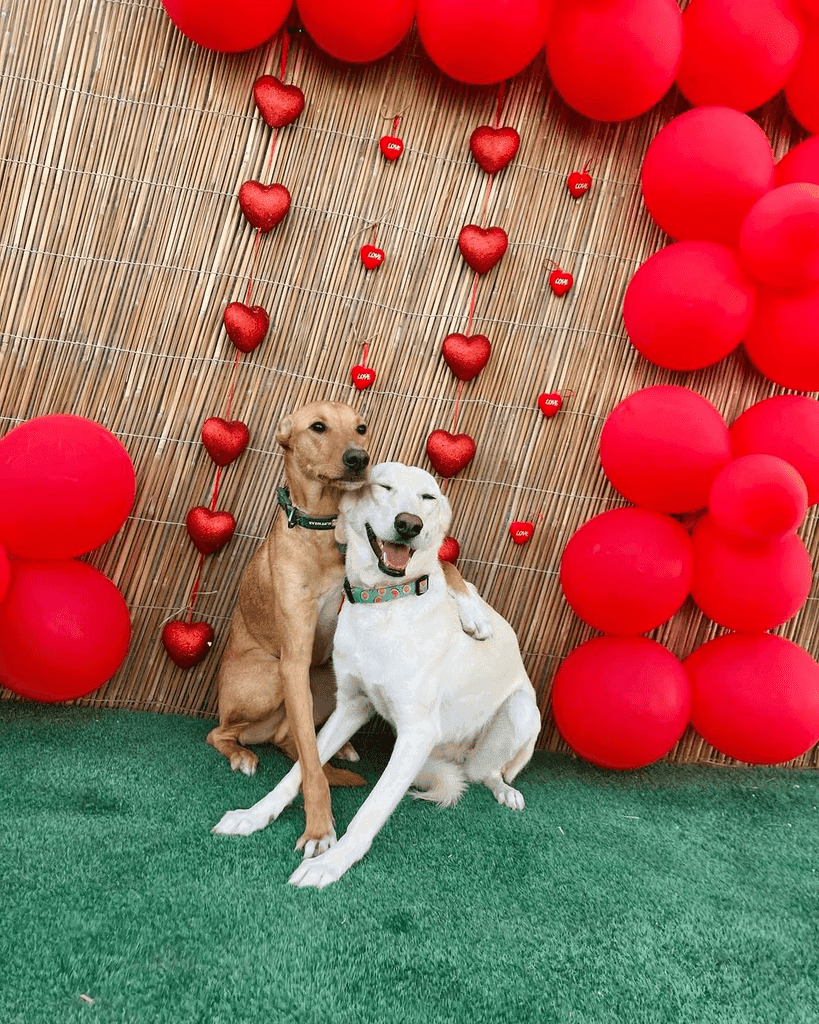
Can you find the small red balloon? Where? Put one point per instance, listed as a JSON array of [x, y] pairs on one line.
[[800, 164], [621, 702], [758, 497], [229, 26], [704, 171], [802, 88], [64, 630], [779, 238], [357, 31], [662, 447], [755, 697], [688, 305], [783, 338]]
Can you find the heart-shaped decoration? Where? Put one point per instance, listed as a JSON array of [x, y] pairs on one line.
[[493, 148], [482, 247], [187, 642], [391, 146], [560, 281], [264, 205], [279, 104], [466, 356], [578, 183], [246, 325], [549, 404], [449, 550], [209, 530], [371, 256], [521, 531], [449, 453], [363, 377], [224, 440]]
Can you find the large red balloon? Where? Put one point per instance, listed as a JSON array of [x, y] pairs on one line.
[[66, 486], [800, 163], [64, 630], [704, 171], [357, 31], [748, 586], [779, 238], [758, 497], [483, 41], [662, 447], [688, 305], [621, 702], [786, 426], [783, 339], [229, 26], [614, 59], [802, 88], [755, 697], [5, 572], [738, 54], [627, 571]]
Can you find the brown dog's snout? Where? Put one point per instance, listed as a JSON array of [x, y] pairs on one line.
[[407, 525], [355, 459]]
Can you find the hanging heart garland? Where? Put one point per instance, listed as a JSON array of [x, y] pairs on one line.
[[279, 104], [449, 550], [264, 206], [224, 440], [209, 530], [482, 248], [466, 356], [187, 642], [449, 453], [493, 148], [246, 326]]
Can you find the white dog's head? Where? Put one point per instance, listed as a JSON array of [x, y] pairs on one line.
[[394, 526]]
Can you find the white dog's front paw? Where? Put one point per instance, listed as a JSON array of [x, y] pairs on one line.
[[316, 847], [474, 619], [242, 822], [508, 796], [322, 871]]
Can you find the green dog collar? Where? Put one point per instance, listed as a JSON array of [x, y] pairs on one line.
[[378, 595], [295, 517]]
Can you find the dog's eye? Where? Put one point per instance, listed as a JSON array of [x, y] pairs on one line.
[[386, 487], [318, 427], [428, 497], [361, 428]]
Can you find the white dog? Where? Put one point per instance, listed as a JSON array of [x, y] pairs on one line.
[[462, 710]]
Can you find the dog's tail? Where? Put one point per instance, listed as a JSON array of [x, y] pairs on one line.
[[441, 782], [342, 777]]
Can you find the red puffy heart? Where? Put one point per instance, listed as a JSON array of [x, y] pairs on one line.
[[549, 404], [264, 205], [493, 148], [466, 356], [187, 642], [363, 377], [578, 183], [449, 453], [391, 146], [560, 281], [371, 256], [246, 325], [449, 550], [209, 530], [279, 104], [482, 247], [521, 531], [225, 440]]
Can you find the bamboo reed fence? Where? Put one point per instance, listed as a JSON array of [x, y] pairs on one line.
[[123, 149]]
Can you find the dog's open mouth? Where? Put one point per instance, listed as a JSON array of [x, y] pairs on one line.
[[393, 559]]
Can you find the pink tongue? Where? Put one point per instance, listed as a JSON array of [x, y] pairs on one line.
[[396, 555]]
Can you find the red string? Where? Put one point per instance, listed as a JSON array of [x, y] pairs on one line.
[[486, 199], [395, 122], [285, 42], [471, 315], [364, 353], [499, 107], [195, 589], [457, 406]]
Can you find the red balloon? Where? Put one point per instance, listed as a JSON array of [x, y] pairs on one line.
[[621, 702], [779, 238], [758, 497], [748, 586], [688, 305], [614, 59], [357, 31], [755, 697], [783, 339], [64, 630], [786, 426], [229, 27], [738, 54], [704, 171], [800, 164], [483, 41], [802, 88], [66, 486], [662, 447], [5, 572], [627, 571]]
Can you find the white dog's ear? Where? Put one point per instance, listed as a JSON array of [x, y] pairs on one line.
[[284, 430], [340, 533], [446, 513]]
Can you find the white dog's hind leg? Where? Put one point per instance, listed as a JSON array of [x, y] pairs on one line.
[[506, 745], [440, 781]]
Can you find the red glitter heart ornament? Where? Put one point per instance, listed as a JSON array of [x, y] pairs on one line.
[[246, 325], [391, 146], [493, 148], [560, 281], [578, 183], [482, 248], [279, 104], [225, 440], [449, 453], [187, 642], [264, 205], [449, 550], [521, 531], [549, 404], [363, 377], [466, 356], [371, 256], [209, 530]]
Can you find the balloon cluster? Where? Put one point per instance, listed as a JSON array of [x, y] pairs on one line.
[[622, 700], [745, 266], [66, 487]]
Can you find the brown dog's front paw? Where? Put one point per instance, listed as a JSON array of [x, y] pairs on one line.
[[348, 753], [315, 847], [244, 761]]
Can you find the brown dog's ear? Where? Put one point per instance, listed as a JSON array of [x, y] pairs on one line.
[[284, 430]]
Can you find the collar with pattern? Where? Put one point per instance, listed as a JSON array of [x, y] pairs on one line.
[[378, 595]]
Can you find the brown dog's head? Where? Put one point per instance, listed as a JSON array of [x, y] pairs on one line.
[[327, 440]]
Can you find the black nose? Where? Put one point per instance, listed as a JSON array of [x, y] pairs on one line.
[[408, 525], [356, 459]]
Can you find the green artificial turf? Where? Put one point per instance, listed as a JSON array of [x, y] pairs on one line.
[[672, 894]]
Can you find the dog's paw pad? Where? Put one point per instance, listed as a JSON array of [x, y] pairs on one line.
[[242, 822]]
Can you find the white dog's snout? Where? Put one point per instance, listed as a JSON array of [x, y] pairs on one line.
[[408, 525]]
